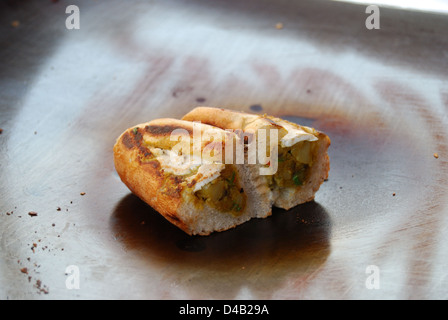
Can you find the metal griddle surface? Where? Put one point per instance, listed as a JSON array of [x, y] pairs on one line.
[[66, 95]]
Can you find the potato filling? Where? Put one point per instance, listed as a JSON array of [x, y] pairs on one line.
[[294, 165], [215, 184], [224, 193]]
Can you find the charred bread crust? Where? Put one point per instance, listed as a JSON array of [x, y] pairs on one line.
[[146, 180]]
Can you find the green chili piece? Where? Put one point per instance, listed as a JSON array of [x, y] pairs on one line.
[[297, 180]]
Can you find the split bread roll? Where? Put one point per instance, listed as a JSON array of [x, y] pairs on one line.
[[182, 170], [303, 163]]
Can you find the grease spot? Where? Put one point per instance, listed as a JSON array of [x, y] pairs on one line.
[[191, 245], [256, 107]]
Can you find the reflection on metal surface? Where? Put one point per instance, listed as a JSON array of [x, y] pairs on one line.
[[66, 95], [257, 257], [439, 6]]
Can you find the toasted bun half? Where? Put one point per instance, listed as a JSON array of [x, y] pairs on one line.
[[176, 167], [294, 183]]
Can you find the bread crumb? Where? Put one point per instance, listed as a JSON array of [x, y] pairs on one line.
[[15, 23], [394, 194], [83, 193], [436, 155], [32, 214], [24, 270], [41, 288], [1, 130], [279, 26]]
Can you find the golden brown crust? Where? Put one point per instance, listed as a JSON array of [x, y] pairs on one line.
[[146, 180], [170, 194], [226, 119]]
